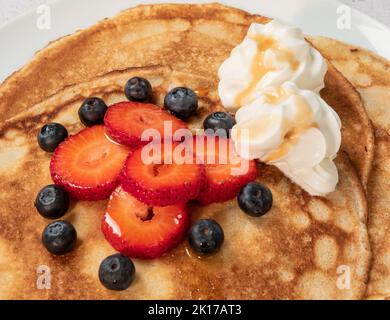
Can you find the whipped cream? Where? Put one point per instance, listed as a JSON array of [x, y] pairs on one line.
[[270, 55], [294, 130]]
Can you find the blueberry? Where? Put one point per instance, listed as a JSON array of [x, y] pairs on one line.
[[219, 122], [92, 111], [138, 90], [255, 199], [52, 202], [59, 237], [51, 135], [181, 102], [206, 237], [117, 272]]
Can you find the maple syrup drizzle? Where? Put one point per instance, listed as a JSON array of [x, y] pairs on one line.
[[259, 69], [302, 121]]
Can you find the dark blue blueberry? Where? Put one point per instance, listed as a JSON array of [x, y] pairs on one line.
[[51, 135], [206, 237], [181, 102], [117, 272], [59, 237], [52, 202], [138, 90], [219, 122], [255, 199], [92, 111]]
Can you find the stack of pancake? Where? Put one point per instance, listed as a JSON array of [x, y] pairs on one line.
[[305, 248]]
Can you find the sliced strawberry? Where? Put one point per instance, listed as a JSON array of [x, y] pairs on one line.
[[88, 164], [226, 172], [163, 181], [143, 232], [126, 122]]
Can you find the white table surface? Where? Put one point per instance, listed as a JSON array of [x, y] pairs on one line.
[[378, 9]]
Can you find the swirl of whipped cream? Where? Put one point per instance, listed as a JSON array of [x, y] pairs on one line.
[[294, 130], [270, 55]]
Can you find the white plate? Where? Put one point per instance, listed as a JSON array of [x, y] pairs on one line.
[[21, 38]]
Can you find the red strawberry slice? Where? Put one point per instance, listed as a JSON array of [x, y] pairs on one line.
[[127, 121], [143, 232], [226, 172], [88, 164], [163, 181]]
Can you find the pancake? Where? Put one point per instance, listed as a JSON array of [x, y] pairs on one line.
[[304, 248], [370, 74], [346, 101], [180, 36]]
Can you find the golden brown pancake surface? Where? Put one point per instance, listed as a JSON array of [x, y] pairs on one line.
[[188, 38], [299, 250], [294, 252], [370, 74]]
